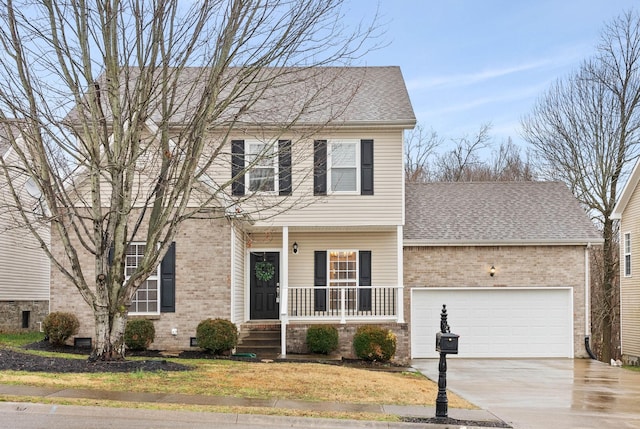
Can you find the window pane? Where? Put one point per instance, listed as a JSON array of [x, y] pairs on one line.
[[262, 179], [343, 155], [343, 179]]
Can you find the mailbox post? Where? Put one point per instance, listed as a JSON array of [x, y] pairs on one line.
[[446, 343]]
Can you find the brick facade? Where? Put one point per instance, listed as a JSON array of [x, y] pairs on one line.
[[297, 339], [516, 266], [203, 285]]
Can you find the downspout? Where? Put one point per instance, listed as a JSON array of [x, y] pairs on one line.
[[587, 299]]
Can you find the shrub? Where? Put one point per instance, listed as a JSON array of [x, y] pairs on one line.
[[139, 333], [373, 343], [60, 326], [322, 339], [217, 335]]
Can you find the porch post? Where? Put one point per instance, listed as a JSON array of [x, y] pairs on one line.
[[400, 264], [284, 291]]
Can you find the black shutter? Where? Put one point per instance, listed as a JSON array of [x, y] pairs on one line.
[[366, 167], [237, 167], [364, 292], [284, 161], [320, 280], [168, 281], [320, 167]]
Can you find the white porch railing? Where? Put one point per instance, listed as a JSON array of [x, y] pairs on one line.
[[342, 303]]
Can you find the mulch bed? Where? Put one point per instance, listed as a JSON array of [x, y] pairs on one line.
[[456, 422]]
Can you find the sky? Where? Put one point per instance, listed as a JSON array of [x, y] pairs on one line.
[[472, 62]]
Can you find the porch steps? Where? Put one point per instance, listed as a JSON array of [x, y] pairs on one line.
[[263, 339]]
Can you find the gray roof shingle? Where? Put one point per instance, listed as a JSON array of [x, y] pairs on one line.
[[339, 95], [495, 212]]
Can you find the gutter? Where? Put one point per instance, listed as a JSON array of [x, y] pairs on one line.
[[513, 242]]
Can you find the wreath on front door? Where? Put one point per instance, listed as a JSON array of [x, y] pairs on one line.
[[265, 271]]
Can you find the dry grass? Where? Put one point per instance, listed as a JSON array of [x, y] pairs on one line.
[[296, 381]]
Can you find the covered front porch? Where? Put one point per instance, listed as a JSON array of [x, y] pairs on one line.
[[303, 276]]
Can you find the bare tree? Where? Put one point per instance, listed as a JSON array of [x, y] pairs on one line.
[[586, 130], [453, 165], [128, 105], [419, 150]]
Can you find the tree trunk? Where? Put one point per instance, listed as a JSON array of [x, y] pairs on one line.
[[610, 267], [109, 344]]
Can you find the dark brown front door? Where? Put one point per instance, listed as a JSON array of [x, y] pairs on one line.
[[264, 285]]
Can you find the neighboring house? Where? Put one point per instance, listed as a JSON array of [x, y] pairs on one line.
[[627, 210], [24, 267], [509, 259]]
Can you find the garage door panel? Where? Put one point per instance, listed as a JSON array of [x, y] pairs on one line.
[[509, 322]]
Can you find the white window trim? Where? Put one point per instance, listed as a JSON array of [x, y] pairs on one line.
[[157, 277], [275, 147], [358, 166], [626, 252], [357, 252]]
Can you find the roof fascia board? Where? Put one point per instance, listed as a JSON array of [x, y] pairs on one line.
[[627, 191]]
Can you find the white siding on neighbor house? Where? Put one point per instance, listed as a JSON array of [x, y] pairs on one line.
[[630, 285], [24, 267]]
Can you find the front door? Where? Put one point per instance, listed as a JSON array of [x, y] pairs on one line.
[[264, 285]]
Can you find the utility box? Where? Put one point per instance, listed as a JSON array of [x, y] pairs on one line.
[[447, 343]]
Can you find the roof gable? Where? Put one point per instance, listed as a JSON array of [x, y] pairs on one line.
[[627, 192], [492, 213]]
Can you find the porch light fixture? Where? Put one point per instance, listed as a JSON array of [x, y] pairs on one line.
[[492, 271], [295, 248]]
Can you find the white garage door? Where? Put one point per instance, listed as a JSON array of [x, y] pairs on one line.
[[506, 322]]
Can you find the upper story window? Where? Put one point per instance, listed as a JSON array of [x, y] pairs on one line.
[[344, 166], [262, 174], [146, 300], [258, 166], [627, 254]]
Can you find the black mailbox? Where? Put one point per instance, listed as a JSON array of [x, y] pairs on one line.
[[447, 343]]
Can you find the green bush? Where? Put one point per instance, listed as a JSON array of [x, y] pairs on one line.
[[139, 333], [60, 326], [217, 335], [373, 343], [322, 339]]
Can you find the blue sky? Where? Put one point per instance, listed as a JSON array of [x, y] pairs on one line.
[[471, 62]]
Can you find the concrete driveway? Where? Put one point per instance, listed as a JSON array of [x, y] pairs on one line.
[[545, 393]]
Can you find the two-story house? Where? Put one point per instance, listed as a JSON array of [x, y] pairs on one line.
[[335, 255]]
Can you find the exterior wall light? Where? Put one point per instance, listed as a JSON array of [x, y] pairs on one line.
[[492, 271], [295, 248]]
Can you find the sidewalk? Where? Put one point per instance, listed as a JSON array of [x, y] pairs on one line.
[[399, 410]]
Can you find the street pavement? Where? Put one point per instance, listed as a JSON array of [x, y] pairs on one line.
[[545, 393]]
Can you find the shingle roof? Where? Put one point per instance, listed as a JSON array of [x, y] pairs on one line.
[[342, 95], [494, 213], [9, 128]]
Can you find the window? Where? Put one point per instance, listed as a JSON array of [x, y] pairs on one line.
[[147, 297], [263, 163], [627, 254], [343, 166], [343, 273]]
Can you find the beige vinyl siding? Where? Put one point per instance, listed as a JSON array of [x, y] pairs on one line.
[[239, 278], [630, 285], [304, 209], [384, 262], [24, 267]]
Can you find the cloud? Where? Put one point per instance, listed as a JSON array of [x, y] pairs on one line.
[[461, 80]]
